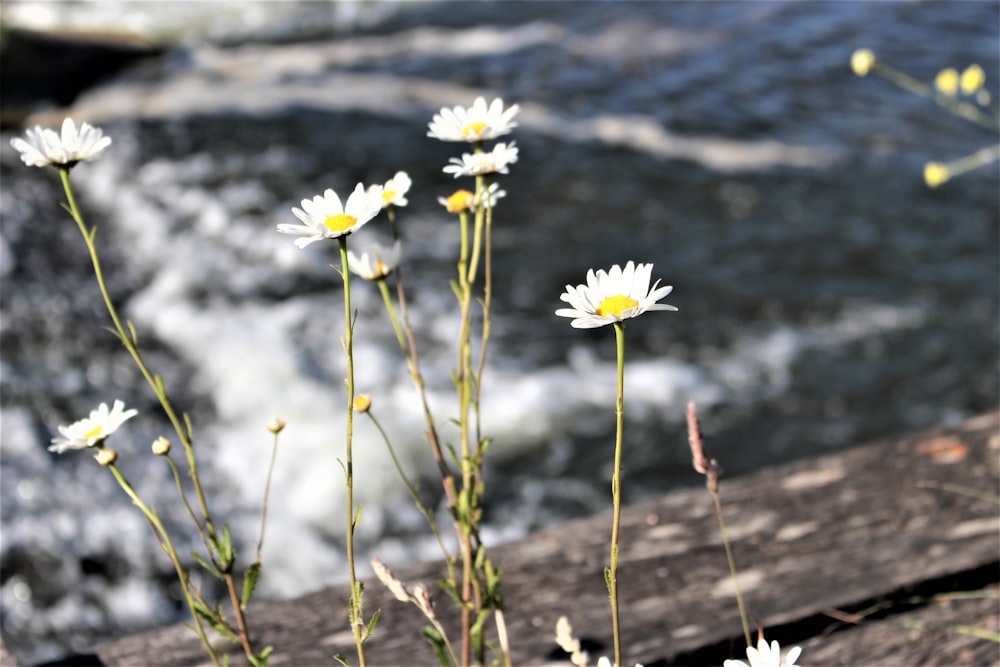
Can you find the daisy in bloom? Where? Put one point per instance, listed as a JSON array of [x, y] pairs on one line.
[[463, 200], [45, 148], [324, 217], [377, 262], [476, 164], [476, 123], [613, 296], [766, 656], [395, 189], [92, 430], [606, 662]]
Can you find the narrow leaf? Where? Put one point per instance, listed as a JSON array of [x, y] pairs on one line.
[[250, 578]]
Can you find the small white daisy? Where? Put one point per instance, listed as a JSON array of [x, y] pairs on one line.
[[93, 429], [324, 217], [477, 164], [613, 296], [476, 123], [395, 189], [45, 147], [377, 262], [463, 200], [766, 656], [606, 662]]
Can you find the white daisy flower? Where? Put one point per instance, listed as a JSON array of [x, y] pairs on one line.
[[613, 296], [606, 662], [92, 430], [476, 164], [476, 123], [46, 148], [324, 217], [766, 656], [463, 200], [377, 262], [395, 189]]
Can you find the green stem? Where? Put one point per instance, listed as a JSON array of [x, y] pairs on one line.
[[127, 337], [391, 309], [616, 492], [732, 567], [958, 107], [267, 494], [356, 621], [163, 537], [411, 487]]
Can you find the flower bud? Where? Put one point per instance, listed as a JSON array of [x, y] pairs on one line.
[[161, 446], [276, 425], [362, 403], [935, 174], [862, 61], [106, 456]]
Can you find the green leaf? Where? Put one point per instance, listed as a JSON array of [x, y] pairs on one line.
[[204, 612], [342, 660], [250, 578], [607, 579], [131, 332], [230, 553], [371, 624], [357, 516], [437, 643], [208, 566]]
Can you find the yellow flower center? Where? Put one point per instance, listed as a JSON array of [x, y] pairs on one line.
[[388, 195], [473, 129], [615, 305], [340, 222], [460, 201], [380, 270], [94, 432]]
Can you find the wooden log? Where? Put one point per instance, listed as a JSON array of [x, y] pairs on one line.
[[839, 532]]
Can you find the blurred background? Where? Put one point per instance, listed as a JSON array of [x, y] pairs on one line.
[[826, 296]]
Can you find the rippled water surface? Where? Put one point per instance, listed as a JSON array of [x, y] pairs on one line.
[[825, 295]]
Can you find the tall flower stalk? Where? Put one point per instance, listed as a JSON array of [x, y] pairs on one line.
[[63, 151], [611, 297], [326, 217]]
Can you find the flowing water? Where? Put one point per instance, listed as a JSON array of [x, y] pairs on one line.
[[825, 295]]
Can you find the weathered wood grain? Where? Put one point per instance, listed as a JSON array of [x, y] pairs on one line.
[[809, 537]]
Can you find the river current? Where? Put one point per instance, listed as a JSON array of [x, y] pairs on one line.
[[826, 296]]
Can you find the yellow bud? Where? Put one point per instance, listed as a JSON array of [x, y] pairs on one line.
[[106, 456], [161, 446], [862, 61], [461, 200], [362, 403], [972, 79], [935, 174], [276, 425], [947, 81]]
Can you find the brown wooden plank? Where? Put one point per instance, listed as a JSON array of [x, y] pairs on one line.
[[808, 536]]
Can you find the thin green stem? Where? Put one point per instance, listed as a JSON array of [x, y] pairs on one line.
[[616, 492], [411, 487], [267, 495], [391, 309], [732, 567], [958, 107], [163, 537], [357, 623], [127, 337]]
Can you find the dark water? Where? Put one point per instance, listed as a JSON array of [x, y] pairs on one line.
[[826, 295]]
